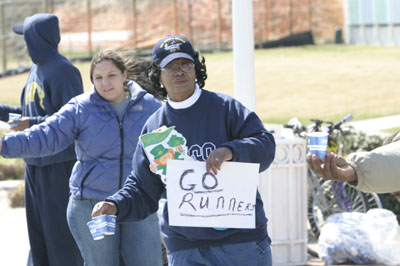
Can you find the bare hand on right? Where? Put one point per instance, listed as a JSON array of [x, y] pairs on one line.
[[333, 167], [104, 207]]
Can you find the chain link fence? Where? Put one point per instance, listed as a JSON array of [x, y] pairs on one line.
[[13, 52]]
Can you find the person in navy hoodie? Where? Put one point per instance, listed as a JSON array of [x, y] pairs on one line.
[[51, 83], [104, 124], [217, 128]]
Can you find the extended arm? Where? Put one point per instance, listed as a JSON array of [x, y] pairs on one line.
[[47, 138], [374, 171], [378, 170], [6, 109]]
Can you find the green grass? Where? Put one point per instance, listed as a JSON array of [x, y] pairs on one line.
[[77, 54], [325, 82], [392, 130]]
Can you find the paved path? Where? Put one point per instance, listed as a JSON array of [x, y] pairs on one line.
[[377, 124], [369, 126], [14, 244]]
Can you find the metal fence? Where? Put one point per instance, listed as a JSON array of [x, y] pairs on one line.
[[90, 25]]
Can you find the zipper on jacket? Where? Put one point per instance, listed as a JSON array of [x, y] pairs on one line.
[[84, 179], [121, 157], [121, 132]]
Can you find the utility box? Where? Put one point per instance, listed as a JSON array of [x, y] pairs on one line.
[[283, 188]]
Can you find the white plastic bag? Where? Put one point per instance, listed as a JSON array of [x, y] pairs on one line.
[[362, 238]]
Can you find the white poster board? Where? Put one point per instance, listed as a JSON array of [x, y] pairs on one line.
[[198, 199]]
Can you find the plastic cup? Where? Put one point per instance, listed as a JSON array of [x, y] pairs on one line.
[[317, 143], [13, 117], [111, 219]]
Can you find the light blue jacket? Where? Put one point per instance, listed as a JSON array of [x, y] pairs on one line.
[[104, 145]]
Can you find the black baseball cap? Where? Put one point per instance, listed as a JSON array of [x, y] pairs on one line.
[[172, 47]]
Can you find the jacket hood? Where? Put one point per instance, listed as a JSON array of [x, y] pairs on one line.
[[42, 36], [137, 92]]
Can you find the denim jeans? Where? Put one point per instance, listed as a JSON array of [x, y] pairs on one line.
[[137, 242], [240, 254]]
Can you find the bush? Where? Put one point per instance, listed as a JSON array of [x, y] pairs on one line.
[[17, 196], [390, 202], [12, 169], [360, 141]]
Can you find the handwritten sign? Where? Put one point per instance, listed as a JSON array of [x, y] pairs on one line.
[[198, 199]]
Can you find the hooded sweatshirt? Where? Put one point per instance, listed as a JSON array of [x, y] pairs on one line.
[[52, 80]]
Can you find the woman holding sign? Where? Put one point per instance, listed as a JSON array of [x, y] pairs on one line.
[[194, 124], [105, 124]]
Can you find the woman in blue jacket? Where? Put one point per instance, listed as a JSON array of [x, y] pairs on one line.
[[105, 125]]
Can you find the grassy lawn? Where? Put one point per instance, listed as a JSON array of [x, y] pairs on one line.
[[326, 82], [393, 130]]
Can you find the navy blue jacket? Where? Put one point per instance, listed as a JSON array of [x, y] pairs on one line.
[[104, 144], [51, 83], [215, 120]]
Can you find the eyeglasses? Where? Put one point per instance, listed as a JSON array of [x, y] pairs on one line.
[[173, 68]]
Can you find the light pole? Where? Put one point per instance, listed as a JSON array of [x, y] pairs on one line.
[[243, 52]]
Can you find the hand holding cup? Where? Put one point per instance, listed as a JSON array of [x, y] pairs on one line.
[[318, 143], [12, 117]]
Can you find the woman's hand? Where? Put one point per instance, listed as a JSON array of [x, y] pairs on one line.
[[217, 158], [104, 207]]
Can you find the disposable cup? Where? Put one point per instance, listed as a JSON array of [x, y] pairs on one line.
[[317, 143], [13, 117], [97, 233], [111, 219]]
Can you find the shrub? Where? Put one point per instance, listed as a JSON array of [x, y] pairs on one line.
[[17, 196], [12, 169], [360, 141], [390, 202]]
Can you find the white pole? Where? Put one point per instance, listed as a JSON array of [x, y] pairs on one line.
[[243, 52]]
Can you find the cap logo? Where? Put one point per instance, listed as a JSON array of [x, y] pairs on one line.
[[172, 44]]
